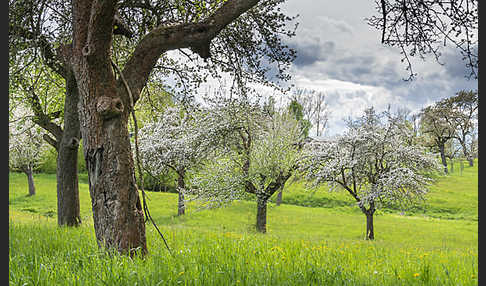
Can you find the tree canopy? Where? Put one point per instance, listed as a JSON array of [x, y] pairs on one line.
[[373, 163]]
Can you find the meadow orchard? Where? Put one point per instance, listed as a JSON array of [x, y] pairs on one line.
[[302, 246], [373, 162]]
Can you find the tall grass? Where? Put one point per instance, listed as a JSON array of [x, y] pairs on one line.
[[303, 246], [62, 256]]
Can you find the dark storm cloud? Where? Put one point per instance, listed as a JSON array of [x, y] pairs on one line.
[[362, 69], [454, 65], [310, 52]]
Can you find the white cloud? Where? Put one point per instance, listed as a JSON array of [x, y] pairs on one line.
[[347, 99], [338, 53], [358, 71]]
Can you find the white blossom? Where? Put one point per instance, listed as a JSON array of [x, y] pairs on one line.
[[25, 142], [256, 152], [372, 162]]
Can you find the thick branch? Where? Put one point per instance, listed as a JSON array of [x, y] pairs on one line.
[[51, 141], [99, 30], [250, 188], [353, 194], [277, 184], [196, 36]]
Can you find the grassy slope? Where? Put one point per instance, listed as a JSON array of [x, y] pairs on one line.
[[453, 197], [219, 247]]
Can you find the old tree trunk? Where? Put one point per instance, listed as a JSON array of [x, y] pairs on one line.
[[66, 143], [278, 200], [67, 159], [104, 112], [105, 105]]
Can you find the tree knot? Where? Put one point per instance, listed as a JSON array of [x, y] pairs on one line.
[[74, 143], [109, 107], [87, 50]]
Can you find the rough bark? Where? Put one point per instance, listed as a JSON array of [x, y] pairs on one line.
[[263, 196], [104, 113], [105, 106], [466, 153], [67, 160], [261, 221], [65, 141]]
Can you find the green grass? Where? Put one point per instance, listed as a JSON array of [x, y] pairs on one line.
[[454, 196], [303, 246]]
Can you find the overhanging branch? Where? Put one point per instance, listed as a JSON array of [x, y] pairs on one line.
[[196, 36]]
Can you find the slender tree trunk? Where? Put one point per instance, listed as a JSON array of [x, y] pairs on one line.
[[278, 201], [370, 232], [261, 222], [181, 208], [443, 158], [30, 179], [67, 160], [466, 154], [104, 112]]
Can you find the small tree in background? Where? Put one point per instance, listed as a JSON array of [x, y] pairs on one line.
[[312, 109], [177, 141], [465, 110], [438, 127], [25, 148], [373, 163], [259, 154]]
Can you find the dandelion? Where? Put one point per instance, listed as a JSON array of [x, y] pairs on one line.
[[416, 275]]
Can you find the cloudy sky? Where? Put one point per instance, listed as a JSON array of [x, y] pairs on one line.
[[339, 54]]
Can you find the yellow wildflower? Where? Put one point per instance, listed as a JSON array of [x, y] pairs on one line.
[[416, 275]]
